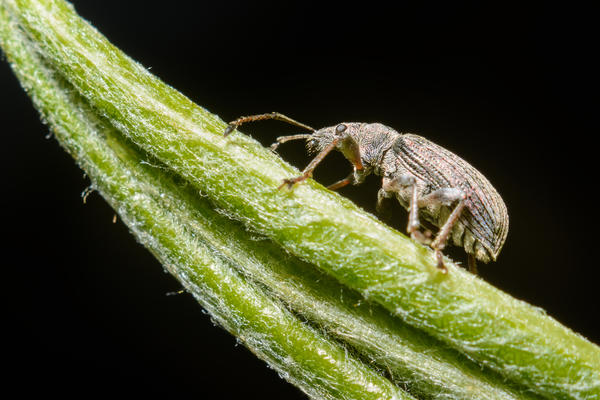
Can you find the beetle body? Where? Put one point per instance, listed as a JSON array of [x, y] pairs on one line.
[[483, 224], [429, 181]]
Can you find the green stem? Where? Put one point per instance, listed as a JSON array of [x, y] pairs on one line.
[[320, 367], [241, 177], [414, 360]]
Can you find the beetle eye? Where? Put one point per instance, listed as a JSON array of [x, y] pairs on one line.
[[340, 128]]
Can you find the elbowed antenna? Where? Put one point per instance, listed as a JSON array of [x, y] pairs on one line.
[[283, 139], [233, 125]]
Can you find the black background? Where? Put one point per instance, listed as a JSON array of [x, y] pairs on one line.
[[511, 89]]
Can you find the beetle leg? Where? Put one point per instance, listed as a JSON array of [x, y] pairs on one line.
[[472, 262], [349, 148], [307, 173], [442, 237], [381, 196], [351, 151], [343, 182], [396, 185], [413, 214], [444, 196]]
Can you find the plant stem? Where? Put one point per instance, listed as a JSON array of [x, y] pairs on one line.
[[414, 360], [239, 176], [320, 367]]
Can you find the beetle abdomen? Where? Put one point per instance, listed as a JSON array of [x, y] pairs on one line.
[[484, 218]]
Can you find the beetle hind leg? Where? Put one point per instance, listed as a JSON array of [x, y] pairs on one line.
[[445, 197], [472, 263]]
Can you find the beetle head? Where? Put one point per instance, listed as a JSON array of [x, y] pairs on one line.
[[322, 138]]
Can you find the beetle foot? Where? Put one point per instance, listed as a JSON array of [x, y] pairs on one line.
[[440, 262], [421, 237], [292, 181], [230, 128], [472, 263]]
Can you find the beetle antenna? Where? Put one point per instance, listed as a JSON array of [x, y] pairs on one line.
[[283, 139], [233, 125]]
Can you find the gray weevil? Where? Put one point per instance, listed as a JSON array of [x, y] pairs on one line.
[[428, 180]]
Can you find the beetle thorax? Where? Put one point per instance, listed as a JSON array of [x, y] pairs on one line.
[[374, 141]]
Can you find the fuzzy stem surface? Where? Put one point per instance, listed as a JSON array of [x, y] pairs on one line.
[[146, 200], [240, 177]]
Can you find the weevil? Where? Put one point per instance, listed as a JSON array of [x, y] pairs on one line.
[[429, 181]]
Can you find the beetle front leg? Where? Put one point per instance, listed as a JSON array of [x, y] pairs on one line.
[[348, 146], [308, 171], [356, 177]]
